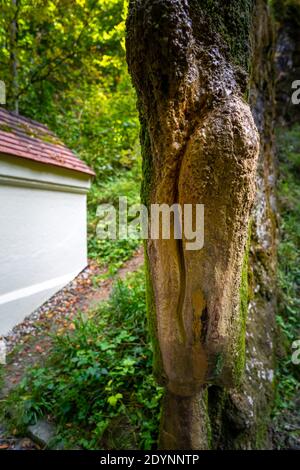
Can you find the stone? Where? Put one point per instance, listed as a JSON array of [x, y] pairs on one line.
[[42, 432]]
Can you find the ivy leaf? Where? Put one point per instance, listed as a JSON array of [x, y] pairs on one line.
[[113, 400]]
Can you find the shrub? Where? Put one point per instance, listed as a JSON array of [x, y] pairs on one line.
[[97, 382]]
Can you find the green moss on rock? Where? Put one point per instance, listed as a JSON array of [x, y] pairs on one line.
[[244, 300]]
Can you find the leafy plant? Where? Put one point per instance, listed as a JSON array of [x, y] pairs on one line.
[[72, 75], [97, 382], [288, 319]]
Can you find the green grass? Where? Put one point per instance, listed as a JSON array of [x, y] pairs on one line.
[[97, 383], [288, 318]]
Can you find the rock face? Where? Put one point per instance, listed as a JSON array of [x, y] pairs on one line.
[[42, 432], [201, 146]]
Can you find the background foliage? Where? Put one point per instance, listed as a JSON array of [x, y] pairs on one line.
[[65, 66]]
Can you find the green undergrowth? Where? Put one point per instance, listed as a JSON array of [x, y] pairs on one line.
[[113, 252], [288, 318], [97, 383]]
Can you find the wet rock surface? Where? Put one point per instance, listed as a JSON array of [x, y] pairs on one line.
[[42, 433]]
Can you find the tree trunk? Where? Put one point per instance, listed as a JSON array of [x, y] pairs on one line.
[[190, 64]]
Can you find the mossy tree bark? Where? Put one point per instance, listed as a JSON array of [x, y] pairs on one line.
[[189, 62]]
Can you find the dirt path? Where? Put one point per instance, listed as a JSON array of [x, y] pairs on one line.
[[29, 342]]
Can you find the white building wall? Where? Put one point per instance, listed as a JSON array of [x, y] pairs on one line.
[[42, 235]]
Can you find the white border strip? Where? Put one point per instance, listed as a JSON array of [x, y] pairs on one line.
[[27, 183], [36, 288]]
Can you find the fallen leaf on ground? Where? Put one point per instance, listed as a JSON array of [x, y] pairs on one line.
[[4, 446]]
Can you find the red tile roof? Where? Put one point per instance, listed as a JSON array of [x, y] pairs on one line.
[[22, 137]]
